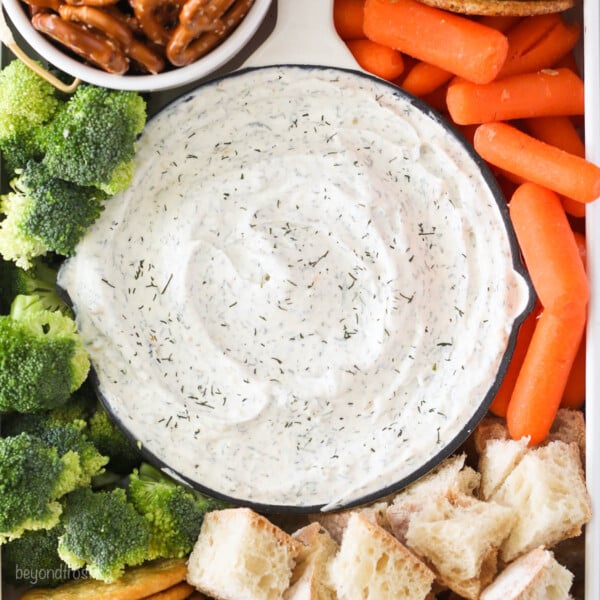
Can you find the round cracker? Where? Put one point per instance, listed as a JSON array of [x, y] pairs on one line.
[[136, 583], [505, 8]]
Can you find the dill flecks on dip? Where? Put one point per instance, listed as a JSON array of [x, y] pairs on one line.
[[306, 293]]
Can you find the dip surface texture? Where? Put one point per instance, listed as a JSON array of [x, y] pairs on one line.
[[305, 295]]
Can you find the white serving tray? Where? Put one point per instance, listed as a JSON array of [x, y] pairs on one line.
[[589, 11]]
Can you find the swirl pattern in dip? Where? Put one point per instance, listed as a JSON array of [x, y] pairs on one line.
[[306, 294]]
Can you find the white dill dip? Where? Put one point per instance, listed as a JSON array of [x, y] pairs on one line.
[[305, 295]]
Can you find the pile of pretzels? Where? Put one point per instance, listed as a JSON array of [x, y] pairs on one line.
[[138, 36]]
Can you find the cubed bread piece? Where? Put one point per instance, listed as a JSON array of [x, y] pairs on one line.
[[489, 428], [569, 426], [547, 493], [240, 555], [451, 476], [373, 565], [497, 460], [335, 522], [459, 537], [309, 579], [533, 576]]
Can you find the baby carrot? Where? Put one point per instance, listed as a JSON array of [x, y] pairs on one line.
[[552, 256], [501, 400], [513, 150], [538, 42], [581, 247], [562, 133], [447, 40], [549, 248], [348, 18], [543, 376], [558, 131], [568, 62], [425, 78], [540, 94], [499, 22], [376, 58], [574, 394]]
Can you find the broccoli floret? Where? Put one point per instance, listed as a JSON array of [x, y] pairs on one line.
[[103, 533], [39, 279], [33, 559], [42, 358], [25, 95], [45, 214], [91, 142], [80, 406], [21, 145], [72, 437], [27, 103], [173, 511], [33, 477], [15, 242], [112, 442], [65, 437]]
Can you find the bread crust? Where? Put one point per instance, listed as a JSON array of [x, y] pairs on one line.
[[505, 8]]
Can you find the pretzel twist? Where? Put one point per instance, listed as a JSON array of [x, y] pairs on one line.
[[97, 49], [191, 39], [117, 30]]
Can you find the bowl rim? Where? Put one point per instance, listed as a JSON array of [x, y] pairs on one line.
[[469, 423], [177, 77]]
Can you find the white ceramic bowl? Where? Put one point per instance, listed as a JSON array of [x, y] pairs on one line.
[[175, 78]]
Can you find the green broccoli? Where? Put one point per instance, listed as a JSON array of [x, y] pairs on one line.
[[91, 141], [42, 358], [45, 214], [33, 477], [27, 103], [33, 559], [103, 533], [112, 442], [21, 145], [80, 406], [173, 511], [65, 437], [39, 279]]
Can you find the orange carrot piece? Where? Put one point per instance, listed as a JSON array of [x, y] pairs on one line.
[[562, 133], [549, 248], [447, 40], [499, 22], [348, 16], [538, 42], [376, 58], [574, 394], [425, 78], [568, 62], [581, 247], [513, 150], [540, 94], [575, 388], [558, 131], [552, 256], [501, 400], [543, 376], [574, 208]]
